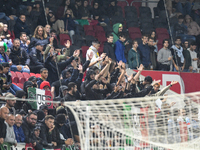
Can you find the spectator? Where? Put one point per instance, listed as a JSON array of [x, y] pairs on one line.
[[69, 24], [40, 141], [3, 56], [120, 48], [193, 55], [85, 10], [36, 57], [144, 52], [93, 50], [71, 95], [6, 36], [108, 47], [23, 41], [19, 104], [181, 30], [147, 81], [19, 133], [39, 36], [112, 9], [28, 126], [10, 134], [164, 57], [19, 58], [177, 55], [185, 45], [153, 53], [44, 76], [188, 62], [193, 28], [155, 41], [117, 28], [156, 88], [62, 8], [76, 8], [45, 86], [47, 29], [33, 79], [44, 108], [134, 56], [4, 111], [10, 103], [21, 26]]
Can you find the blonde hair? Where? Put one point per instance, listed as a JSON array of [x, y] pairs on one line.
[[1, 24], [70, 12], [36, 32]]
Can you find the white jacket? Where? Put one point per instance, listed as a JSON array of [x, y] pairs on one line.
[[95, 56]]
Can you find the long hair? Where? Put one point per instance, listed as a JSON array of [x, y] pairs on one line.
[[36, 32]]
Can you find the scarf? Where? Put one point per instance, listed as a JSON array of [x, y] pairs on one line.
[[179, 52]]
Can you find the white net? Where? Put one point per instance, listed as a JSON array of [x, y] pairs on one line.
[[138, 123]]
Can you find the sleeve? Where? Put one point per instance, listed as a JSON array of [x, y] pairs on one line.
[[34, 58], [63, 65], [28, 138], [26, 56], [163, 91], [130, 59], [117, 52], [10, 138], [43, 134], [22, 135], [160, 57], [85, 65], [79, 80], [89, 85], [46, 52]]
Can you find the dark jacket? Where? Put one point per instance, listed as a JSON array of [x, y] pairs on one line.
[[68, 97], [3, 128], [133, 59], [188, 60], [69, 23], [36, 58], [144, 54], [153, 57], [109, 50], [64, 130], [19, 57], [52, 68], [119, 51], [20, 27], [28, 132], [19, 134]]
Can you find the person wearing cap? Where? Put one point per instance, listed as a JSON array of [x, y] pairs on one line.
[[19, 57], [63, 90], [10, 103], [27, 84], [44, 108], [36, 57], [45, 85], [10, 134], [3, 50], [117, 28], [19, 133], [193, 55]]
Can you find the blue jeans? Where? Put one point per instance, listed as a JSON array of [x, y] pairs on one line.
[[14, 68], [185, 10], [13, 89], [186, 70], [185, 37]]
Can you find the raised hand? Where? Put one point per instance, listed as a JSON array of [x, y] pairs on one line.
[[174, 82], [67, 45], [76, 53], [103, 55], [141, 67], [97, 77], [80, 68], [155, 82], [120, 63]]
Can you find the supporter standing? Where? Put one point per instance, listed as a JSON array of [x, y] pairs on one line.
[[134, 56], [19, 57], [117, 28], [44, 75], [153, 53], [108, 47], [164, 57], [188, 62], [10, 134], [193, 55], [4, 111], [145, 52], [177, 55]]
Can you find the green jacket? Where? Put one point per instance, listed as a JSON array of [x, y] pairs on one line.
[[115, 32], [133, 59]]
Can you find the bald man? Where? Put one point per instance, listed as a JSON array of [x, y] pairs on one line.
[[3, 115], [19, 133], [10, 134]]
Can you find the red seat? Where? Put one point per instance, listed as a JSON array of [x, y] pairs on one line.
[[32, 74], [64, 38], [84, 50], [13, 73], [102, 39], [137, 5], [98, 28], [88, 28], [101, 49], [161, 30], [90, 33], [15, 79], [163, 36], [20, 85], [19, 74], [38, 75], [26, 75], [22, 80], [122, 4], [134, 30], [100, 34], [134, 36]]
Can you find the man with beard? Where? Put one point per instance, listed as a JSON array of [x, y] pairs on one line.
[[71, 95], [19, 134], [19, 57], [28, 126]]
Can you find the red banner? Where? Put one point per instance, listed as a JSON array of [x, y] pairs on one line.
[[187, 81]]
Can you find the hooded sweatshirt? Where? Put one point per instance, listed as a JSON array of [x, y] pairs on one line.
[[10, 134], [116, 32], [95, 56]]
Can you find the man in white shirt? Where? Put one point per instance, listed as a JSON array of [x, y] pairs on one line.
[[96, 59], [193, 55]]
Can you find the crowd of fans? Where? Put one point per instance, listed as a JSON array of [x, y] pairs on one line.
[[32, 46]]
